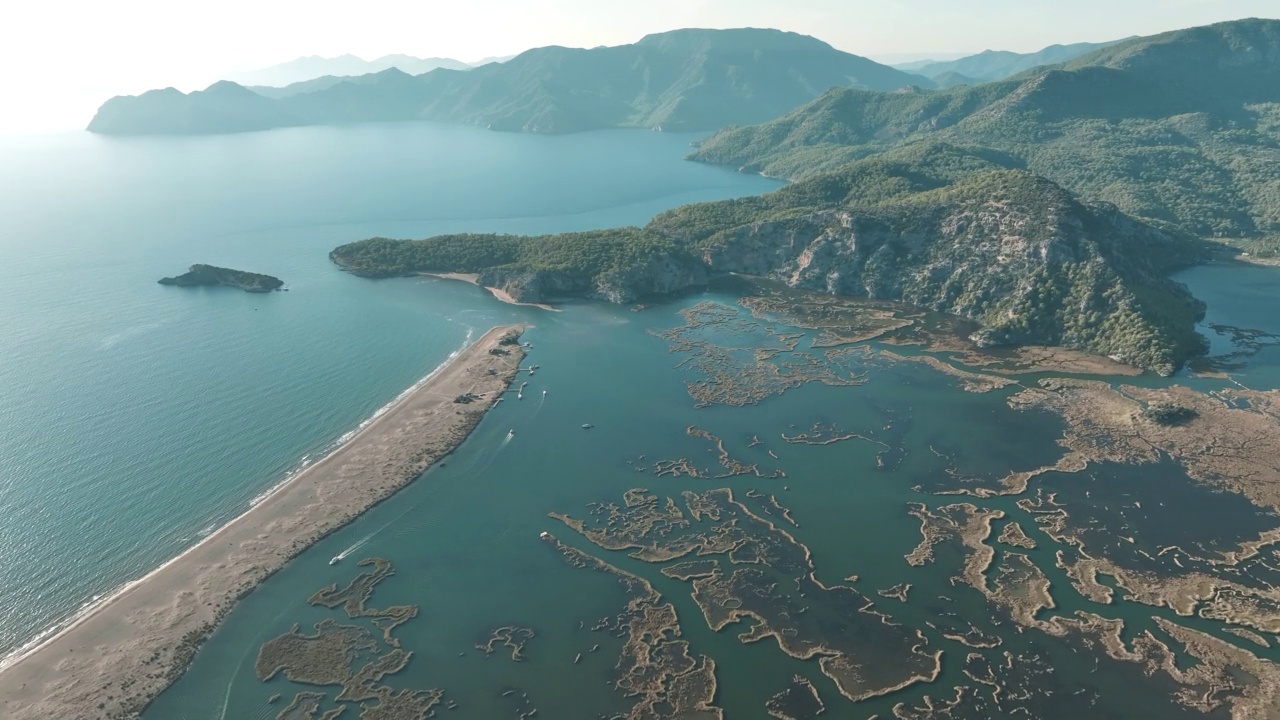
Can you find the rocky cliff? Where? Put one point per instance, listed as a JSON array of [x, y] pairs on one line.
[[1015, 253], [1006, 248]]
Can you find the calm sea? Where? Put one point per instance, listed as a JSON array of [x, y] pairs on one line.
[[135, 418]]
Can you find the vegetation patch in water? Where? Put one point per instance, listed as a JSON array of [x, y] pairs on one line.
[[773, 585], [329, 656], [800, 701], [512, 637]]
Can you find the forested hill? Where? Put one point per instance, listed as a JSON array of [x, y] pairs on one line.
[[1180, 129], [681, 80], [1010, 250]]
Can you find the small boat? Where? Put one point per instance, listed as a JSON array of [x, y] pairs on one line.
[[335, 560], [511, 432], [587, 426]]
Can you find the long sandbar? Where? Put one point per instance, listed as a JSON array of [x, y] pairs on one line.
[[113, 661]]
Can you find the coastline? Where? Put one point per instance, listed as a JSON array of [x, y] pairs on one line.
[[113, 659], [502, 295]]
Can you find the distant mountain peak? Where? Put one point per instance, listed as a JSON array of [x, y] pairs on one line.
[[227, 86], [991, 65], [683, 80], [312, 67], [733, 38]]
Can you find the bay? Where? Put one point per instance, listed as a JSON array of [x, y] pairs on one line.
[[135, 418]]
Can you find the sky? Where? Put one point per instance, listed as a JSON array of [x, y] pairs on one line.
[[59, 59]]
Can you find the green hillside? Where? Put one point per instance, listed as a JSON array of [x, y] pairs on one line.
[[1180, 129], [1008, 249]]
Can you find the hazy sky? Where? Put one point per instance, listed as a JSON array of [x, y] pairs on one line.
[[63, 57]]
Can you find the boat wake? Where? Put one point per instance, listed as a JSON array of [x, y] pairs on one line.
[[358, 544], [541, 401], [253, 646]]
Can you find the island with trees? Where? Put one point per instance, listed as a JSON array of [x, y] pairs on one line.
[[212, 275]]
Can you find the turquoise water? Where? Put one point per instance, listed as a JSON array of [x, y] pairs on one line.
[[464, 538], [1241, 296], [134, 418]]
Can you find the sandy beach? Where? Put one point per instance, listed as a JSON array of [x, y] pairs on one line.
[[113, 661], [503, 295]]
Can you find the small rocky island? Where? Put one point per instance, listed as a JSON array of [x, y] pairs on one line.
[[211, 275]]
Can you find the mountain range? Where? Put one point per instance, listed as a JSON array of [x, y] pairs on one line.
[[1049, 207], [681, 80], [311, 67], [992, 65], [1180, 129]]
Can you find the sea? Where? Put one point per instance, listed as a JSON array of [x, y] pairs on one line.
[[136, 418]]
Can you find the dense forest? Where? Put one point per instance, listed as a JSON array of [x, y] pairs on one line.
[[1181, 129]]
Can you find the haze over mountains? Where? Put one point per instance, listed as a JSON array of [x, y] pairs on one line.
[[992, 65], [314, 66], [680, 80]]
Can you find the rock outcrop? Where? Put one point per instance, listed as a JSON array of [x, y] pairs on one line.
[[211, 275], [1010, 250], [658, 275]]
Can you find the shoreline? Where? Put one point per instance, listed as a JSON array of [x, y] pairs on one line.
[[88, 608], [134, 642], [501, 295]]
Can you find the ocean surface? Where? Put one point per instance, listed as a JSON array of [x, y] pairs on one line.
[[136, 417]]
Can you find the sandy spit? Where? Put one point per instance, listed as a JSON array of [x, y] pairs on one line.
[[114, 660], [503, 295]]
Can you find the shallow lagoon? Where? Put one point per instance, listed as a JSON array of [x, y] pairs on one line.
[[464, 539]]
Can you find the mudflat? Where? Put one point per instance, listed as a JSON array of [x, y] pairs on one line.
[[114, 660]]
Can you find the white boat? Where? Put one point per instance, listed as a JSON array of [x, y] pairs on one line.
[[587, 426], [335, 560]]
